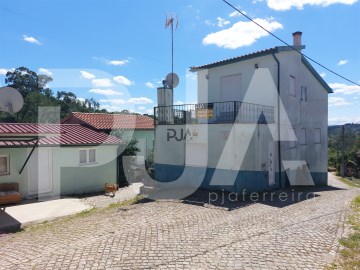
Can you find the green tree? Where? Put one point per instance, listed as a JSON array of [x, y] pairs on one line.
[[127, 148], [35, 91]]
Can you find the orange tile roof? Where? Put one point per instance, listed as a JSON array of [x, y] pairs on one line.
[[105, 121], [55, 134]]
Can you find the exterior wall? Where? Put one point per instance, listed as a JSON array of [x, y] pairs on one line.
[[68, 176], [17, 157], [310, 115], [238, 152], [148, 135], [245, 68]]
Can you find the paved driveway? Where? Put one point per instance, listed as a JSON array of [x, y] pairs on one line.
[[189, 235]]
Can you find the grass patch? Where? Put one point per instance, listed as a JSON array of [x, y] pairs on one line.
[[134, 200], [350, 254], [351, 183], [84, 213]]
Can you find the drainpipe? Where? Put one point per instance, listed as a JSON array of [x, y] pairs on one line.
[[278, 127]]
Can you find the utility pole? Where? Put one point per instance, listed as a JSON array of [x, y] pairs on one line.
[[342, 165]]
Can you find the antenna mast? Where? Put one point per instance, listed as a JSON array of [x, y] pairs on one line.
[[171, 18]]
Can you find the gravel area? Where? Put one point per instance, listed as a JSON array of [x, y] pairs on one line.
[[123, 194], [190, 234]]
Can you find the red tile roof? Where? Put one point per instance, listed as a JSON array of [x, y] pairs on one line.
[[62, 134], [105, 121]]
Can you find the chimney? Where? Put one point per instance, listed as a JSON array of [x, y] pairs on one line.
[[297, 38]]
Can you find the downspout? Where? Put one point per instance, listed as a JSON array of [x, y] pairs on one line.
[[278, 118]]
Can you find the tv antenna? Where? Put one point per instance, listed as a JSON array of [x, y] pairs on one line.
[[171, 19], [11, 101]]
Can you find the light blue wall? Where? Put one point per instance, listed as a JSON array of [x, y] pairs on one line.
[[17, 157], [69, 177]]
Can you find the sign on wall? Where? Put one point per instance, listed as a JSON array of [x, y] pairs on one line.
[[204, 110]]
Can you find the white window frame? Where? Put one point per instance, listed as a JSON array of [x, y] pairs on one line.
[[94, 161], [7, 172], [304, 94], [315, 136], [292, 86], [87, 151]]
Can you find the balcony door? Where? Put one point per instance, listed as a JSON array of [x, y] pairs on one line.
[[230, 90]]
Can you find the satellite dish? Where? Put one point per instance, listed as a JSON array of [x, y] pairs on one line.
[[172, 80], [11, 100]]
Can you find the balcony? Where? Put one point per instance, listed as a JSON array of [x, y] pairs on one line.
[[214, 113]]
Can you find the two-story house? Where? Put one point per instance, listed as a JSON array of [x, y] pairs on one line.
[[260, 123]]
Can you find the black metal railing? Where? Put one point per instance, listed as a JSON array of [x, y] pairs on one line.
[[214, 113]]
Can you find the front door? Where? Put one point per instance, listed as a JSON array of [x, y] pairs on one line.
[[40, 171]]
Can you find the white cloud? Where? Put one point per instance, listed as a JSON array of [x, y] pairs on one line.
[[116, 101], [150, 111], [222, 22], [123, 80], [299, 4], [150, 85], [236, 14], [111, 108], [118, 62], [111, 62], [101, 82], [241, 34], [343, 120], [209, 23], [178, 102], [140, 100], [87, 75], [340, 88], [337, 101], [3, 71], [117, 104], [323, 74], [81, 99], [45, 71], [342, 62], [31, 40], [106, 92]]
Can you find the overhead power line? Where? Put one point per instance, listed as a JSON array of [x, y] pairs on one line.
[[287, 44]]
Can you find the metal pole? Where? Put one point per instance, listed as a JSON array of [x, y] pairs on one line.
[[172, 54]]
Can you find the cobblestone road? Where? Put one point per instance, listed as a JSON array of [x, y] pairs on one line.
[[189, 235]]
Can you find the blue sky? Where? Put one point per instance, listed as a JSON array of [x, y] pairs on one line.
[[118, 52]]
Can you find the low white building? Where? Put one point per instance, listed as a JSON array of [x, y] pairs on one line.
[[57, 159], [260, 123]]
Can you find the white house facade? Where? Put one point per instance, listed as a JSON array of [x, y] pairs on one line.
[[260, 123]]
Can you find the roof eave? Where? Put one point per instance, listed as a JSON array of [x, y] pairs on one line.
[[316, 75], [235, 60]]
